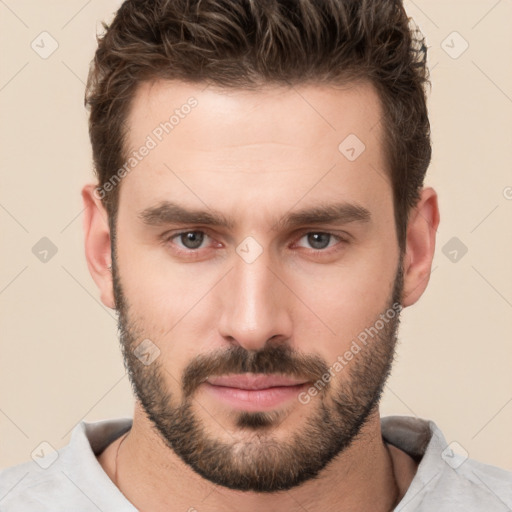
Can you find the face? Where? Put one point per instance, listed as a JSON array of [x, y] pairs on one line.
[[257, 275]]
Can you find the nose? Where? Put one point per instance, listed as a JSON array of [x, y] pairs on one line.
[[256, 306]]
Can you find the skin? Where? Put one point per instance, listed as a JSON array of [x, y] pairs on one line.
[[255, 157]]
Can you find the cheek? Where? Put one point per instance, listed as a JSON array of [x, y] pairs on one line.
[[156, 286], [339, 302], [169, 304]]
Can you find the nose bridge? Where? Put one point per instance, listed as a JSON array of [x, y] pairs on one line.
[[254, 306]]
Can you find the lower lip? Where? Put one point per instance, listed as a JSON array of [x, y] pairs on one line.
[[255, 399]]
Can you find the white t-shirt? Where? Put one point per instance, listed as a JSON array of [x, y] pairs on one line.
[[72, 480]]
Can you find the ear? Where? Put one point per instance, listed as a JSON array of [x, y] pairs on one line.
[[420, 246], [98, 244]]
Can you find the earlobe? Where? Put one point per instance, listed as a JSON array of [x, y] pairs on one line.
[[98, 244], [420, 246]]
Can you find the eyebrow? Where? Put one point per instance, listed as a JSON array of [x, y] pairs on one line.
[[338, 213], [168, 212]]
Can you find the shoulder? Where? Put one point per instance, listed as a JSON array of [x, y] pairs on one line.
[[483, 486], [446, 478], [28, 486], [67, 479], [472, 486]]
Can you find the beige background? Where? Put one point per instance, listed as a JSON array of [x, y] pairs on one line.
[[60, 361]]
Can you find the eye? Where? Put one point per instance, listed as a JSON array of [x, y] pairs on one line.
[[190, 240], [319, 240]]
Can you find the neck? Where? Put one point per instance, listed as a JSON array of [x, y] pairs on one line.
[[366, 476]]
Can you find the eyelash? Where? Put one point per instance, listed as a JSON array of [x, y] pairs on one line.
[[168, 238]]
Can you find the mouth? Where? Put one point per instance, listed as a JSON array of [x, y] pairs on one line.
[[254, 392]]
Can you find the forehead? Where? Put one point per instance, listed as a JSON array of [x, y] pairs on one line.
[[272, 145]]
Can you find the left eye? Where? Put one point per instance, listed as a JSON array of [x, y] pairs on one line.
[[318, 240], [190, 239]]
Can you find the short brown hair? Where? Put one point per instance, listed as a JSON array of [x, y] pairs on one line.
[[250, 43]]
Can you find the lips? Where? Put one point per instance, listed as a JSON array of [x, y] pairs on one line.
[[254, 381], [254, 392]]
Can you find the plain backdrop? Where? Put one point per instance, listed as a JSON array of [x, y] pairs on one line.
[[60, 361]]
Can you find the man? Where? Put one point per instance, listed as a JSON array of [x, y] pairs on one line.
[[258, 223]]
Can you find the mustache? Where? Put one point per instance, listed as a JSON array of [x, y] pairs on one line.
[[274, 359]]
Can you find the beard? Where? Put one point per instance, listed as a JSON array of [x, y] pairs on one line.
[[254, 459]]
